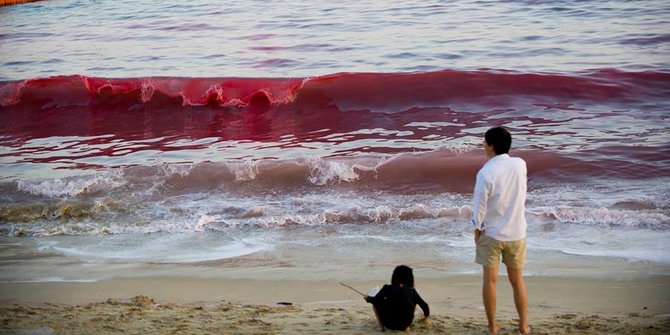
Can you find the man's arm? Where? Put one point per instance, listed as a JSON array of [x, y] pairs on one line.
[[479, 201], [478, 234]]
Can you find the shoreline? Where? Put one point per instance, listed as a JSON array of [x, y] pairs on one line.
[[556, 305]]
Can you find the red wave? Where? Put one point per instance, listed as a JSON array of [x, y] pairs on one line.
[[80, 90], [386, 91]]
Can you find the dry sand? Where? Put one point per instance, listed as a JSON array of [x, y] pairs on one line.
[[219, 306]]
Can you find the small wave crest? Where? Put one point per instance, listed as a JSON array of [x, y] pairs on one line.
[[357, 215], [324, 172], [70, 187], [68, 218]]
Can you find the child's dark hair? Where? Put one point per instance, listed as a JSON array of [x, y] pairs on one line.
[[500, 139], [402, 275]]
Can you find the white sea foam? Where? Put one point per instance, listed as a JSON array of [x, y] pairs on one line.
[[323, 172], [147, 91], [204, 221], [199, 212], [181, 170], [248, 170]]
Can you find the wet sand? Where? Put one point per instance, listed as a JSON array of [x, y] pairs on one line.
[[220, 306]]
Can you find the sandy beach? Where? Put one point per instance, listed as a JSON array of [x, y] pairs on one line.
[[219, 306]]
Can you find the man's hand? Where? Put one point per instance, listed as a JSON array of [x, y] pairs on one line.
[[478, 234]]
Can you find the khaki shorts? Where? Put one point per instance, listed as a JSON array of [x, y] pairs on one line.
[[490, 249]]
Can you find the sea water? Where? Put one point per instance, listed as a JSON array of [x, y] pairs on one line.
[[291, 140]]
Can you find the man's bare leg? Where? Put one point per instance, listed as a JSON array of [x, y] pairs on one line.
[[520, 297], [489, 297]]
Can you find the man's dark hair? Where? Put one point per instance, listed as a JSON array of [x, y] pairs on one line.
[[500, 139], [403, 275]]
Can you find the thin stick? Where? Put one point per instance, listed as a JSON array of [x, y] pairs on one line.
[[355, 290]]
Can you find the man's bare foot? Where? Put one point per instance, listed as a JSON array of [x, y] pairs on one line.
[[525, 330], [492, 329]]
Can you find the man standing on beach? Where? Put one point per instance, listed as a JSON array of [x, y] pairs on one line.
[[500, 225]]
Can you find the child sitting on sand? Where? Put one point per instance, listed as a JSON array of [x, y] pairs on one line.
[[394, 305]]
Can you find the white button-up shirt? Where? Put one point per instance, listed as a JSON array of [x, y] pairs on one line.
[[499, 201]]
